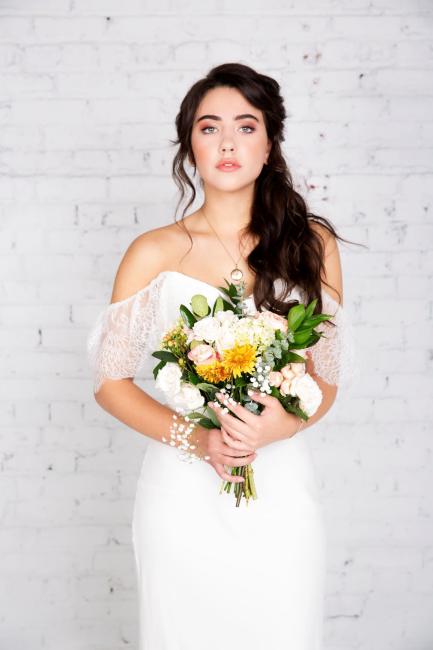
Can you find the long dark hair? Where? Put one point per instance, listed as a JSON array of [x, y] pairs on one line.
[[288, 247]]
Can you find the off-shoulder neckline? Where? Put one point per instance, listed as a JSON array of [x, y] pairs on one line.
[[154, 280], [197, 280]]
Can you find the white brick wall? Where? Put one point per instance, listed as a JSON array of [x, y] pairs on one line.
[[89, 92]]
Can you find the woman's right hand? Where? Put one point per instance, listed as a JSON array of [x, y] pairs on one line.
[[220, 454]]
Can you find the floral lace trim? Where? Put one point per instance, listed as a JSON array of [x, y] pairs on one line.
[[335, 355], [123, 334]]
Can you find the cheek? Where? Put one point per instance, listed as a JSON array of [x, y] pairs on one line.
[[201, 149]]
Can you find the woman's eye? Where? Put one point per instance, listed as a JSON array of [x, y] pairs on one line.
[[242, 127]]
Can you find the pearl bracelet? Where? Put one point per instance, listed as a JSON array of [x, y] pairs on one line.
[[181, 432]]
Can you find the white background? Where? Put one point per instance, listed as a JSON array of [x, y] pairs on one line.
[[89, 93]]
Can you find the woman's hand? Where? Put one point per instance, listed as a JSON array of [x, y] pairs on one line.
[[254, 431], [220, 454]]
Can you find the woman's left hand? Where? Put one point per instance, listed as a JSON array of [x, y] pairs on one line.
[[254, 431]]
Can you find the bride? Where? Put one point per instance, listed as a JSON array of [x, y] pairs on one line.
[[210, 575]]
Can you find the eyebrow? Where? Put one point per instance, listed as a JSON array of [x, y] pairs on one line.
[[217, 117]]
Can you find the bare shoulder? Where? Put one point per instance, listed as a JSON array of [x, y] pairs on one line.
[[332, 281], [146, 256]]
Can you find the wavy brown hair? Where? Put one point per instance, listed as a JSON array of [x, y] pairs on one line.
[[289, 247]]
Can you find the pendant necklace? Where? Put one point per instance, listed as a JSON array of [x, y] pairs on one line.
[[236, 274]]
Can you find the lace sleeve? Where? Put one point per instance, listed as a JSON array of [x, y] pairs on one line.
[[335, 357], [123, 335]]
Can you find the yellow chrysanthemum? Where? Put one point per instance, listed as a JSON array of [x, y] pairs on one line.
[[241, 358], [213, 372]]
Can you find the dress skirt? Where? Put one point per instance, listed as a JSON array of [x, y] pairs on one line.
[[213, 576]]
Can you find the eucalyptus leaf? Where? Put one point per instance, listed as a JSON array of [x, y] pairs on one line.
[[208, 388], [218, 305], [200, 305]]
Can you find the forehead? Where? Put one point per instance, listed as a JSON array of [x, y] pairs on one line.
[[226, 102]]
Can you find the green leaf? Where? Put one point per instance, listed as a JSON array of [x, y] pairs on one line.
[[296, 316], [301, 337], [207, 388], [295, 358], [165, 355], [310, 309], [208, 424], [194, 415], [199, 305], [218, 305], [315, 320], [157, 368], [212, 417], [192, 377], [188, 318]]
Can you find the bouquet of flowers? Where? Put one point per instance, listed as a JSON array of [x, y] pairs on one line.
[[221, 348]]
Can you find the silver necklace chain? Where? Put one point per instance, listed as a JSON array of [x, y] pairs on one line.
[[236, 274]]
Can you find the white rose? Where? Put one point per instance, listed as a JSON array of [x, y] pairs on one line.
[[207, 329], [309, 393], [188, 397], [226, 316], [225, 340], [168, 378]]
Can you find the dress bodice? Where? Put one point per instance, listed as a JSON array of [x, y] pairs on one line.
[[126, 332]]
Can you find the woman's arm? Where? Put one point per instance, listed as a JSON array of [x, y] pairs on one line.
[[126, 401]]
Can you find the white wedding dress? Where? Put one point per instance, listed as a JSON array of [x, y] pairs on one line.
[[213, 576]]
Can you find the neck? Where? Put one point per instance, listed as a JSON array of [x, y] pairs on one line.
[[228, 212]]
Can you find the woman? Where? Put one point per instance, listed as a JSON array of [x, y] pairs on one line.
[[211, 575]]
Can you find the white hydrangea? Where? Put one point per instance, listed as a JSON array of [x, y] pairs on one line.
[[264, 335], [244, 330], [207, 329]]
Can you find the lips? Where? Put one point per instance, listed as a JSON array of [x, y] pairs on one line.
[[228, 165]]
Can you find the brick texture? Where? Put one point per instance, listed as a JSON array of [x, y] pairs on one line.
[[88, 94]]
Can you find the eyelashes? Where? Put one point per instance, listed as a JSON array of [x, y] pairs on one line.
[[252, 129]]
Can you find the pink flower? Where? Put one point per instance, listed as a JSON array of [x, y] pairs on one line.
[[275, 321], [298, 368], [287, 372], [285, 387], [275, 378], [202, 353]]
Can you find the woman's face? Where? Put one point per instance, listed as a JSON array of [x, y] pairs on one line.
[[226, 125]]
